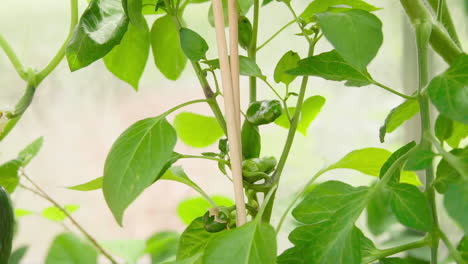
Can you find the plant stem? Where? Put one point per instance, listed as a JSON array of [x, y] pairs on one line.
[[380, 254], [13, 58], [296, 18], [452, 250], [44, 195], [423, 31], [252, 51], [444, 17], [204, 157], [275, 34], [61, 53], [394, 91], [440, 40]]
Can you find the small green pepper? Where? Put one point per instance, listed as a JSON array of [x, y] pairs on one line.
[[245, 32], [216, 219], [264, 112], [257, 168]]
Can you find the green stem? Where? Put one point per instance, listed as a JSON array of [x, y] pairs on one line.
[[444, 17], [275, 34], [175, 108], [451, 248], [44, 195], [298, 21], [394, 91], [209, 94], [380, 254], [61, 53], [13, 58], [252, 51], [423, 31], [205, 157], [440, 40]]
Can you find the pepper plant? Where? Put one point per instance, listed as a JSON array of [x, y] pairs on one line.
[[324, 212]]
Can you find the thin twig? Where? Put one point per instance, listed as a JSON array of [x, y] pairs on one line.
[[39, 191]]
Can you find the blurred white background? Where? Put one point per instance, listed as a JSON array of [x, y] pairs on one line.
[[80, 115]]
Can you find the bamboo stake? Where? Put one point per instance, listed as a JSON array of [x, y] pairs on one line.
[[232, 124], [234, 50]]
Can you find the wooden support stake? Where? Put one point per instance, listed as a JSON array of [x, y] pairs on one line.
[[229, 104], [234, 58]]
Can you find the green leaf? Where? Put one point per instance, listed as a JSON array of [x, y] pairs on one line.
[[368, 161], [88, 186], [446, 174], [400, 176], [443, 128], [162, 246], [411, 206], [252, 243], [393, 261], [247, 66], [331, 66], [196, 130], [310, 109], [449, 90], [245, 32], [101, 27], [177, 174], [251, 141], [129, 250], [320, 6], [463, 247], [167, 52], [190, 209], [127, 60], [355, 34], [69, 249], [398, 116], [195, 259], [379, 213], [419, 159], [30, 151], [193, 45], [456, 203], [22, 212], [133, 9], [193, 240], [287, 62], [9, 177], [459, 132], [55, 214], [17, 255], [135, 161], [328, 236]]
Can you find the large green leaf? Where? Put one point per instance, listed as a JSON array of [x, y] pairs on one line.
[[443, 127], [162, 246], [328, 235], [127, 60], [446, 174], [69, 249], [135, 161], [101, 27], [55, 214], [419, 159], [193, 45], [368, 160], [30, 151], [400, 176], [9, 177], [331, 66], [459, 132], [398, 116], [190, 209], [449, 91], [134, 11], [287, 62], [252, 243], [310, 109], [355, 34], [320, 6], [411, 206], [379, 213], [197, 130], [393, 261], [463, 247], [167, 52], [193, 240], [456, 203]]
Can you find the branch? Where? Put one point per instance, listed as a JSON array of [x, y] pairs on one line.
[[13, 58]]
